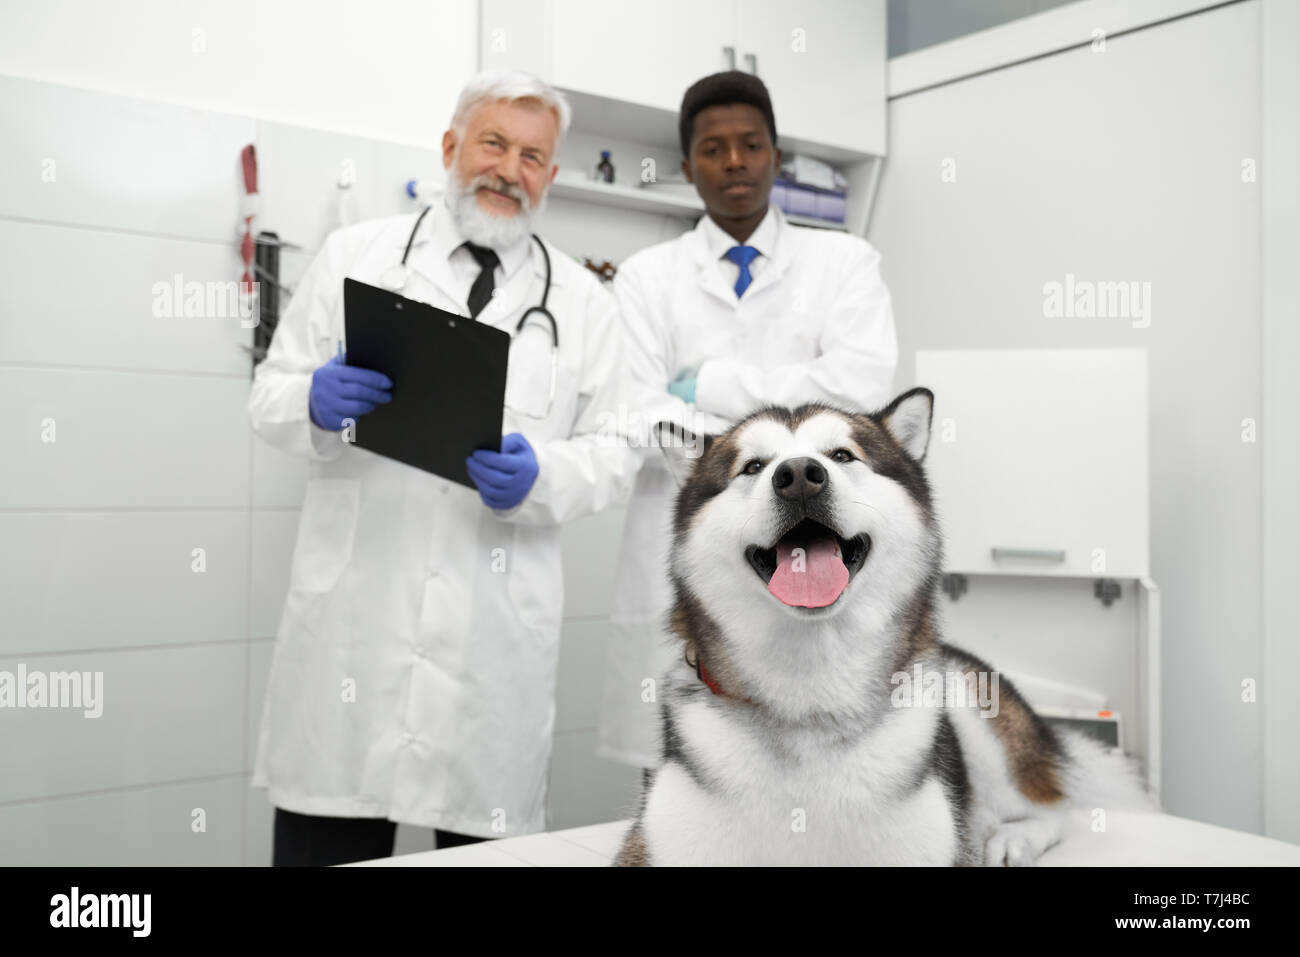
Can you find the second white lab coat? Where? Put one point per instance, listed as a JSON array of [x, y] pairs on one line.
[[413, 676], [815, 324]]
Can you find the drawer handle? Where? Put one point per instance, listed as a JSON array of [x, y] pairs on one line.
[[1035, 554]]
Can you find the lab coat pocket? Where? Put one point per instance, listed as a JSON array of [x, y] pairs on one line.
[[326, 531], [530, 410], [529, 371]]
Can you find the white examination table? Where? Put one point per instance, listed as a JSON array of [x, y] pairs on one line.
[[1131, 838]]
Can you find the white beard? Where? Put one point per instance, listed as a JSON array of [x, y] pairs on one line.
[[483, 228]]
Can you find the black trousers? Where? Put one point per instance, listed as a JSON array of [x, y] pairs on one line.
[[304, 840]]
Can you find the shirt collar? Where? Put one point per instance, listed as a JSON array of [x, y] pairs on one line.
[[764, 238], [445, 238]]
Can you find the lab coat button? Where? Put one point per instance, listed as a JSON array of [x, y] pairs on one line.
[[445, 488]]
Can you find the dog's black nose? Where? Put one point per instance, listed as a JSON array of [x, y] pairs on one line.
[[799, 479]]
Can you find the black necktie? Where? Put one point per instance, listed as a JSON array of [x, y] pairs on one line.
[[481, 292]]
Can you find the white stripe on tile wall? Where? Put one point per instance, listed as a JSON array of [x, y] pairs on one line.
[[95, 580], [133, 827], [84, 158], [122, 439], [166, 714], [86, 297]]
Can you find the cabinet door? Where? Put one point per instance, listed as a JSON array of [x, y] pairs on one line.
[[644, 53], [1041, 452], [824, 65]]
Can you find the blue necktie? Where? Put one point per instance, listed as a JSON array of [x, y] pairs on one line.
[[742, 256]]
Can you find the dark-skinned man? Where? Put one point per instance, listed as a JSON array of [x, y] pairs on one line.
[[743, 311]]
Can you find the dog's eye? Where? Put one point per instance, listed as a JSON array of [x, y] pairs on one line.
[[752, 467], [842, 455]]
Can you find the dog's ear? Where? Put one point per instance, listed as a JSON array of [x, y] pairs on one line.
[[907, 419], [681, 448]]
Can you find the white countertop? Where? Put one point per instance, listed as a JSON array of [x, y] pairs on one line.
[[1130, 838]]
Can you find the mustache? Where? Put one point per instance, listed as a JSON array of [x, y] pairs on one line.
[[497, 184]]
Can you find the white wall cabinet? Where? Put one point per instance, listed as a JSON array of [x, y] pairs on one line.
[[824, 64], [1038, 459], [650, 57], [823, 61]]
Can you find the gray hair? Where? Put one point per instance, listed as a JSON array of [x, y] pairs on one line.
[[511, 86]]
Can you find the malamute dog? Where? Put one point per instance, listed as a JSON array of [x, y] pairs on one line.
[[805, 562]]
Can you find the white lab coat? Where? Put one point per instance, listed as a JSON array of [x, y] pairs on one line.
[[414, 668], [815, 324]]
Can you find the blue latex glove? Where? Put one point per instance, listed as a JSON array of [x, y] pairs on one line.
[[340, 391], [504, 478], [683, 388]]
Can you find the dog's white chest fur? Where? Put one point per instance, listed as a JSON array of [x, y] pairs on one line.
[[803, 798]]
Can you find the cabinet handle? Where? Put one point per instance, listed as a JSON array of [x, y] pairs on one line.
[[1038, 554], [731, 57], [753, 62]]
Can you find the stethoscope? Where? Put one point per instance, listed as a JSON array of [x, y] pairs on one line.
[[394, 278]]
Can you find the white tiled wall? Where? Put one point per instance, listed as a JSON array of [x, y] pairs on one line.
[[153, 459], [126, 451]]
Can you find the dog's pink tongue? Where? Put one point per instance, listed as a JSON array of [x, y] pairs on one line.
[[811, 579]]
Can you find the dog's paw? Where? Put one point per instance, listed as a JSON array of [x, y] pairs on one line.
[[1021, 843]]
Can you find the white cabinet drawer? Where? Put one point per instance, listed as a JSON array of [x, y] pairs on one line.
[[1038, 459]]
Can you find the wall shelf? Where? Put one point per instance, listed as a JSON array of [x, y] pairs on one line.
[[653, 200]]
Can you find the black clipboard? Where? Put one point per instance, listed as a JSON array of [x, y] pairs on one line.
[[448, 373]]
